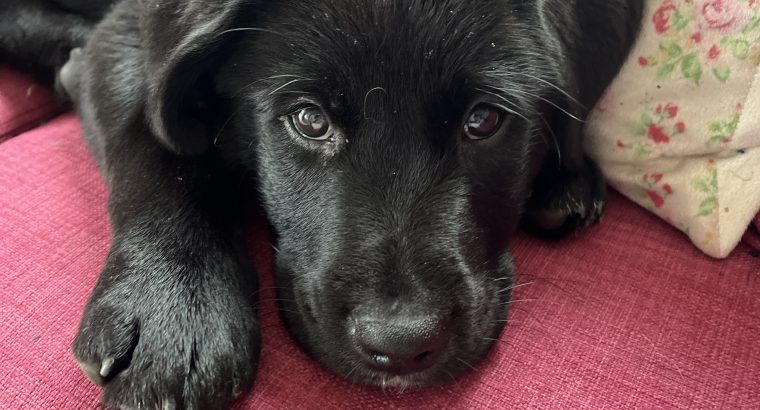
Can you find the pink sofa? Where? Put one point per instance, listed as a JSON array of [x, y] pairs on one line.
[[625, 315]]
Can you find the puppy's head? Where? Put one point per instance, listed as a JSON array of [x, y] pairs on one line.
[[395, 144]]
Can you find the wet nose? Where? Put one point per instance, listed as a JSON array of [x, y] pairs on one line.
[[400, 344]]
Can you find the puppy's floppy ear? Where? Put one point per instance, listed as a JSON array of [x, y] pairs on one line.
[[184, 38]]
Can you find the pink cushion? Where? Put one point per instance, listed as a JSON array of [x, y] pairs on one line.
[[23, 103], [627, 314]]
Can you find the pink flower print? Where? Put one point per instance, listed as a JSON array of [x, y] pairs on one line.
[[656, 198], [656, 127], [697, 38], [657, 134], [657, 192], [726, 16], [643, 62], [661, 18], [714, 52], [671, 110]]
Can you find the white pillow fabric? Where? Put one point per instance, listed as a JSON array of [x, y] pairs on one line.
[[679, 129]]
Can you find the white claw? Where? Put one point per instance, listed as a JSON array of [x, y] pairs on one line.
[[106, 366]]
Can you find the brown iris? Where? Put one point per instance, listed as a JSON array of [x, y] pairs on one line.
[[312, 123], [483, 122]]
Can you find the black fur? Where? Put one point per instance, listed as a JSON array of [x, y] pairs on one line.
[[397, 218]]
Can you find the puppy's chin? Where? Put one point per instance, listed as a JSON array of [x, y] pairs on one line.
[[399, 383]]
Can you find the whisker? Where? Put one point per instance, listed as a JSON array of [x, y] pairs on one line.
[[274, 77], [543, 120], [556, 87], [287, 84], [355, 368], [466, 363], [293, 92], [513, 287], [366, 99], [258, 29], [555, 139], [226, 123], [508, 321], [511, 302], [505, 99], [552, 103]]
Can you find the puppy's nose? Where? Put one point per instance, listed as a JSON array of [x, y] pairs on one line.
[[400, 344]]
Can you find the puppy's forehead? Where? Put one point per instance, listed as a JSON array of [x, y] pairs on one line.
[[384, 44]]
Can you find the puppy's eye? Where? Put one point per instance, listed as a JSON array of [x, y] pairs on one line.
[[312, 123], [483, 122]]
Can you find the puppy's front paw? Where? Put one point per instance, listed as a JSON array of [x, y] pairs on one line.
[[67, 80], [168, 336], [564, 202]]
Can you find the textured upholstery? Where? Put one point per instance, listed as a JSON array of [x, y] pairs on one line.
[[23, 104]]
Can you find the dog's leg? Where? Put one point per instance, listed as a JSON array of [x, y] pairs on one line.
[[171, 322], [36, 36]]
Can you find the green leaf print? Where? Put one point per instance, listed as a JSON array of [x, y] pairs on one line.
[[679, 21], [666, 69], [691, 68], [708, 206], [646, 120], [710, 187], [722, 74], [731, 125], [753, 23], [723, 131], [642, 153], [701, 186], [672, 50], [740, 48], [714, 181], [716, 140]]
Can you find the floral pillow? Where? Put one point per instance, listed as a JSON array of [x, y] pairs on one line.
[[679, 129]]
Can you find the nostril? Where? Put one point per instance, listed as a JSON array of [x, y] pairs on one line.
[[399, 344]]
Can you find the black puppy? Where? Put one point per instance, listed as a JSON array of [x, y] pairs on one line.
[[396, 145]]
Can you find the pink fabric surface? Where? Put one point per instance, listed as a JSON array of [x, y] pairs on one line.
[[625, 315], [23, 104]]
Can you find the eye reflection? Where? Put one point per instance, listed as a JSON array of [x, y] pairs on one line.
[[483, 122], [312, 123]]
